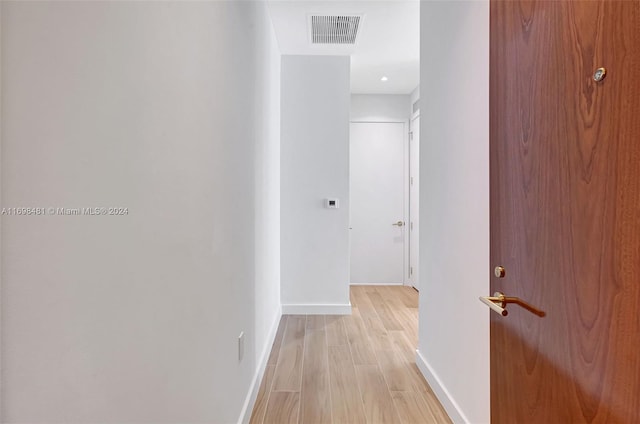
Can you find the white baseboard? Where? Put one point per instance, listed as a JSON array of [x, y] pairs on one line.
[[448, 402], [247, 408], [377, 284], [315, 309]]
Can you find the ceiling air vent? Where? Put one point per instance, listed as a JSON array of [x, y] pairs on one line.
[[334, 29]]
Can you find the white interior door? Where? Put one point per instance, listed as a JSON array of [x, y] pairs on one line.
[[377, 178], [414, 194]]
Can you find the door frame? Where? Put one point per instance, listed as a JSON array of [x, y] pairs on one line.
[[411, 235], [405, 188]]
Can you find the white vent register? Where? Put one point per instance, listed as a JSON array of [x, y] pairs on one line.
[[342, 29]]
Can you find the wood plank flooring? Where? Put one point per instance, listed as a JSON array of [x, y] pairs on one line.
[[351, 369]]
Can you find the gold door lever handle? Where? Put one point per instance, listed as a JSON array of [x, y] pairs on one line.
[[488, 300], [398, 224], [498, 303]]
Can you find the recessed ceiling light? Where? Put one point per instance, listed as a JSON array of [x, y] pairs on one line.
[[384, 79]]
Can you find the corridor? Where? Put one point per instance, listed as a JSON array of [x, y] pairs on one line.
[[349, 369]]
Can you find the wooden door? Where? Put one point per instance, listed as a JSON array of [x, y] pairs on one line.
[[565, 211]]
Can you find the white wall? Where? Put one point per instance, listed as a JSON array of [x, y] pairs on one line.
[[1, 205], [267, 306], [315, 166], [169, 109], [267, 181], [454, 216], [380, 107]]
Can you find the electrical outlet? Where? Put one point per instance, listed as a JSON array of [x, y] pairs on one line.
[[241, 346]]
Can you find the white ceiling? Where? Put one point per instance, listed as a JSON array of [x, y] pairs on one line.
[[388, 43]]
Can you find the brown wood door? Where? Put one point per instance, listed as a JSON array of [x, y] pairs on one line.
[[565, 211]]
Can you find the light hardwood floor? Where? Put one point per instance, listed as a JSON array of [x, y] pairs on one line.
[[350, 369]]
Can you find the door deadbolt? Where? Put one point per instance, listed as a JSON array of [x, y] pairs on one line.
[[499, 272]]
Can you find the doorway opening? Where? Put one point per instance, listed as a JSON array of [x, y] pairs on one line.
[[384, 189]]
